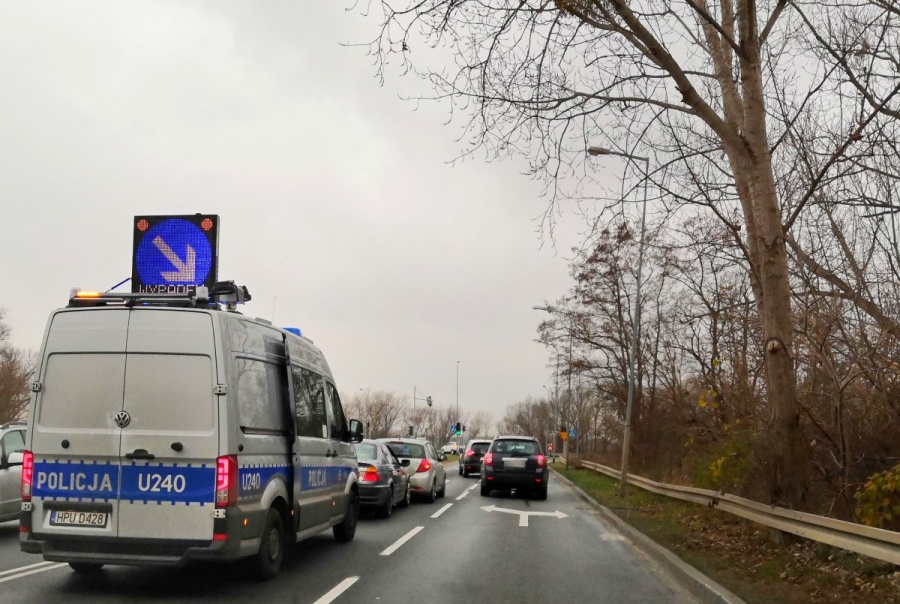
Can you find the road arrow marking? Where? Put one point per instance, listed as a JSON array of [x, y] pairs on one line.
[[186, 269], [523, 515]]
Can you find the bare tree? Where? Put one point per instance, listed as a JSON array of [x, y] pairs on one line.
[[716, 93], [16, 367]]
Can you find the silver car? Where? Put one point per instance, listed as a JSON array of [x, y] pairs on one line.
[[12, 444], [427, 476]]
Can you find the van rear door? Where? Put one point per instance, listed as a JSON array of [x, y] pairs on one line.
[[75, 439], [169, 445]]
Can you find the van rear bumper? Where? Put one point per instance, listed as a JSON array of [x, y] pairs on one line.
[[153, 552]]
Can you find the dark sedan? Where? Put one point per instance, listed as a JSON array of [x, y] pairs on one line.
[[383, 479], [515, 462]]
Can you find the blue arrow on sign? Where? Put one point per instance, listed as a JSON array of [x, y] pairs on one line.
[[174, 252]]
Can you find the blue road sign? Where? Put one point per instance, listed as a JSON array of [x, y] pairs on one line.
[[174, 254]]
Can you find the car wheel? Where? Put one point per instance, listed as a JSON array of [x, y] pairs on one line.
[[267, 561], [388, 507], [461, 471], [404, 503], [443, 490], [345, 531], [542, 494], [432, 494], [485, 491], [86, 568]]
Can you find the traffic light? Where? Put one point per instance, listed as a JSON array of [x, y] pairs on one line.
[[456, 428], [428, 401], [464, 429], [410, 431]]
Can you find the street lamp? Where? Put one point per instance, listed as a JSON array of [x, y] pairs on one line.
[[458, 426], [368, 412], [565, 418], [636, 319]]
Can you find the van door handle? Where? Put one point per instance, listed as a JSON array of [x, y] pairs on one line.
[[140, 454]]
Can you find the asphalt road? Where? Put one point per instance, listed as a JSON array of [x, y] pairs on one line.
[[465, 547]]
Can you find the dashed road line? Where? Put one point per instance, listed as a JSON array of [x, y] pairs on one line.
[[397, 544], [338, 589]]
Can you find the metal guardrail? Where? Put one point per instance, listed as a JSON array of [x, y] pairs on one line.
[[866, 540]]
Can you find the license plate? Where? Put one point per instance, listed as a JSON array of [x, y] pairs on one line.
[[73, 518], [511, 462]]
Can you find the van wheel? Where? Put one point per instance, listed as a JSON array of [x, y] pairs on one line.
[[404, 503], [388, 507], [86, 568], [267, 561], [345, 531]]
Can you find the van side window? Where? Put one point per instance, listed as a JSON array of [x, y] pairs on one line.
[[261, 394], [337, 423], [309, 398]]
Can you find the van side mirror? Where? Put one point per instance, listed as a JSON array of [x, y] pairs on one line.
[[356, 431]]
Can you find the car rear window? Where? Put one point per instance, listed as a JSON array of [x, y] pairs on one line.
[[366, 452], [480, 447], [407, 450], [516, 447]]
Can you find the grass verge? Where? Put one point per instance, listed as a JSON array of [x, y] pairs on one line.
[[743, 556]]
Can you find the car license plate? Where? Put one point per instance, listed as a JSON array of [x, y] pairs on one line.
[[73, 518], [511, 462]]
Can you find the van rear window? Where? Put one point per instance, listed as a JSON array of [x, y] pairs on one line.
[[81, 390], [170, 392]]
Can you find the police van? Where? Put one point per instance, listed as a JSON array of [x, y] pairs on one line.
[[167, 429]]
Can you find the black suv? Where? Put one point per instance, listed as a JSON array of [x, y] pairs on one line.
[[515, 462], [470, 459]]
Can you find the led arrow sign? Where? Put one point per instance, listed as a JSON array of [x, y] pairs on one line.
[[174, 254]]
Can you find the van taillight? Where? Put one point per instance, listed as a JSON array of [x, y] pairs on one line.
[[27, 474], [542, 461], [226, 481], [424, 466], [489, 459]]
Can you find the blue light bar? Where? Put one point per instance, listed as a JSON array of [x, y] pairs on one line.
[[294, 330]]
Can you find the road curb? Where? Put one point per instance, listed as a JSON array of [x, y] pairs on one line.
[[696, 582]]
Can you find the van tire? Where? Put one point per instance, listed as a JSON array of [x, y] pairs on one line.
[[388, 507], [86, 568], [267, 561], [345, 531]]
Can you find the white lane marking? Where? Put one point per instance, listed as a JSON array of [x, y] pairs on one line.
[[401, 541], [25, 573], [464, 493], [442, 510], [340, 588], [23, 568]]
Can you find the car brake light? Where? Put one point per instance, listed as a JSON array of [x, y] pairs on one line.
[[541, 461], [488, 459], [470, 453], [370, 475], [424, 466], [226, 481], [27, 474]]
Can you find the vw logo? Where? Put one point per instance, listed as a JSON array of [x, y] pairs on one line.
[[122, 419]]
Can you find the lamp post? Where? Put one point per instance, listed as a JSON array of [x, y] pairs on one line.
[[636, 318], [565, 414], [368, 412], [458, 426]]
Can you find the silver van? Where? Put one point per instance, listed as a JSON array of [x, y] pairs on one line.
[[166, 429]]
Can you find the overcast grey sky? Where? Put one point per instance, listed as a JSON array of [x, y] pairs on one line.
[[338, 208]]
